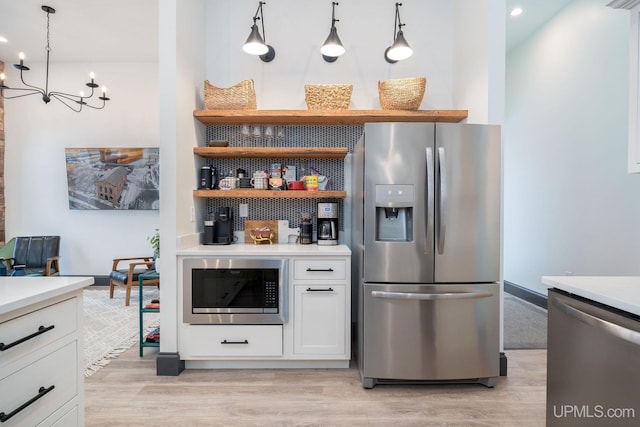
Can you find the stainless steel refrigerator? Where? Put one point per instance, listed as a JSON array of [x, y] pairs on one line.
[[426, 248]]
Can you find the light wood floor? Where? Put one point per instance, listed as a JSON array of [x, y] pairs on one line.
[[128, 392]]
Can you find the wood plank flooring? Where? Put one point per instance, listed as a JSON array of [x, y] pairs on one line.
[[127, 392]]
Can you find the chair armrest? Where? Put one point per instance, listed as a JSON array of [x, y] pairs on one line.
[[117, 261], [132, 268], [9, 262]]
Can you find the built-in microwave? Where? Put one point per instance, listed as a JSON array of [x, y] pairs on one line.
[[235, 291]]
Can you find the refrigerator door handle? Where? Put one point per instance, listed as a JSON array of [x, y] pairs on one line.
[[430, 198], [442, 200], [621, 332], [430, 297]]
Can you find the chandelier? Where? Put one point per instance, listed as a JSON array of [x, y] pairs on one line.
[[74, 102]]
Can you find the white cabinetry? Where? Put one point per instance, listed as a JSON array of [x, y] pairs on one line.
[[317, 333], [320, 323], [41, 363]]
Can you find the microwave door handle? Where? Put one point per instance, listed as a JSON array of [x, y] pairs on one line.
[[442, 200], [618, 331], [430, 297], [430, 198]]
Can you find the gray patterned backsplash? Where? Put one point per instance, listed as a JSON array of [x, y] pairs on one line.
[[283, 136]]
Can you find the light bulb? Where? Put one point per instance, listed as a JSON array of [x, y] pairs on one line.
[[81, 94], [2, 76], [92, 75], [516, 11], [21, 56], [104, 90]]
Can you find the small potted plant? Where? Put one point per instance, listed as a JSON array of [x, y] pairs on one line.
[[154, 239]]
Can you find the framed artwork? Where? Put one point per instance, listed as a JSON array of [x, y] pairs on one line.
[[113, 178]]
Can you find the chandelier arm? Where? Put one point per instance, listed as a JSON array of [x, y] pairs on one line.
[[95, 107], [36, 88], [71, 96], [61, 99], [31, 92]]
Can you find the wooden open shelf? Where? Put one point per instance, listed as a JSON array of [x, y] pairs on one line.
[[271, 152], [325, 117], [274, 194]]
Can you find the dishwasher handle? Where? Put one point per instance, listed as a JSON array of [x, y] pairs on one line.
[[618, 331], [430, 297]]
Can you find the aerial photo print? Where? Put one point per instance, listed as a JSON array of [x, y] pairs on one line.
[[113, 178]]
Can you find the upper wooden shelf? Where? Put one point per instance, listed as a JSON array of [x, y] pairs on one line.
[[325, 117], [271, 152]]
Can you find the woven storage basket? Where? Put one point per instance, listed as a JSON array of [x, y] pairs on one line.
[[241, 96], [402, 94], [328, 97]]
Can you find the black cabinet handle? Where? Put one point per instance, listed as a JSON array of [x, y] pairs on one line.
[[320, 269], [235, 342], [41, 392], [320, 290], [41, 330]]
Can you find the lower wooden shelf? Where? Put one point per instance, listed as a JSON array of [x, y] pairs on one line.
[[271, 194]]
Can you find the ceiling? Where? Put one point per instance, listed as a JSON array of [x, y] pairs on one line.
[[126, 30], [81, 30], [536, 14]]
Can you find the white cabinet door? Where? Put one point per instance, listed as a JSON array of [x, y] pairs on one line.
[[320, 320]]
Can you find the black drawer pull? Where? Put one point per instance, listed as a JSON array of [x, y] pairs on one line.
[[235, 342], [41, 392], [320, 269], [41, 330], [320, 290]]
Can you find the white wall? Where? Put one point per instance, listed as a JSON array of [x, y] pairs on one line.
[[36, 135], [570, 206], [296, 29]]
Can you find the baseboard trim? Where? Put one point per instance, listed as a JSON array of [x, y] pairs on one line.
[[526, 294]]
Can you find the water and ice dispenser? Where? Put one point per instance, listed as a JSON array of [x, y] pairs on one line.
[[394, 213]]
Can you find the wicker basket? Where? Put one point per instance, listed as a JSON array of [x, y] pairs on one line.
[[328, 97], [241, 96], [402, 94]]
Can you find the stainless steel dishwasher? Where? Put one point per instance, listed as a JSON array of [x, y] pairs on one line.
[[593, 363]]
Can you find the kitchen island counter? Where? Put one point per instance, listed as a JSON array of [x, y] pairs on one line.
[[621, 292], [20, 292]]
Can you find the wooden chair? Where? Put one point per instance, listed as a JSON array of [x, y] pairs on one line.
[[129, 276]]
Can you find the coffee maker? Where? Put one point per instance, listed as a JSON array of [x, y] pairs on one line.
[[327, 225], [223, 231]]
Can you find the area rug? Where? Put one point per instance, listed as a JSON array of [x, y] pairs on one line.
[[525, 324], [110, 327]]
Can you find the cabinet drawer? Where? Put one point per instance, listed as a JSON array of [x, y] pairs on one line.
[[58, 369], [62, 316], [319, 269], [234, 340]]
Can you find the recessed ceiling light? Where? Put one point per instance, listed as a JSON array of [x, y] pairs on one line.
[[516, 11], [3, 39]]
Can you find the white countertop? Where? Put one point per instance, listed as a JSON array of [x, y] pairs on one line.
[[19, 292], [622, 292], [248, 249]]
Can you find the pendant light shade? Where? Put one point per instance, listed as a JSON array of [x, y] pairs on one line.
[[332, 47], [400, 49], [255, 44]]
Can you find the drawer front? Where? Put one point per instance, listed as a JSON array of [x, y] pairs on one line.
[[233, 340], [319, 269], [58, 369], [37, 325]]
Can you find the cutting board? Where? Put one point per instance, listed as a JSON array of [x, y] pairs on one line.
[[251, 224]]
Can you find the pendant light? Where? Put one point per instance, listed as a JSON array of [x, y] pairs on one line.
[[255, 44], [332, 47], [400, 49]]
